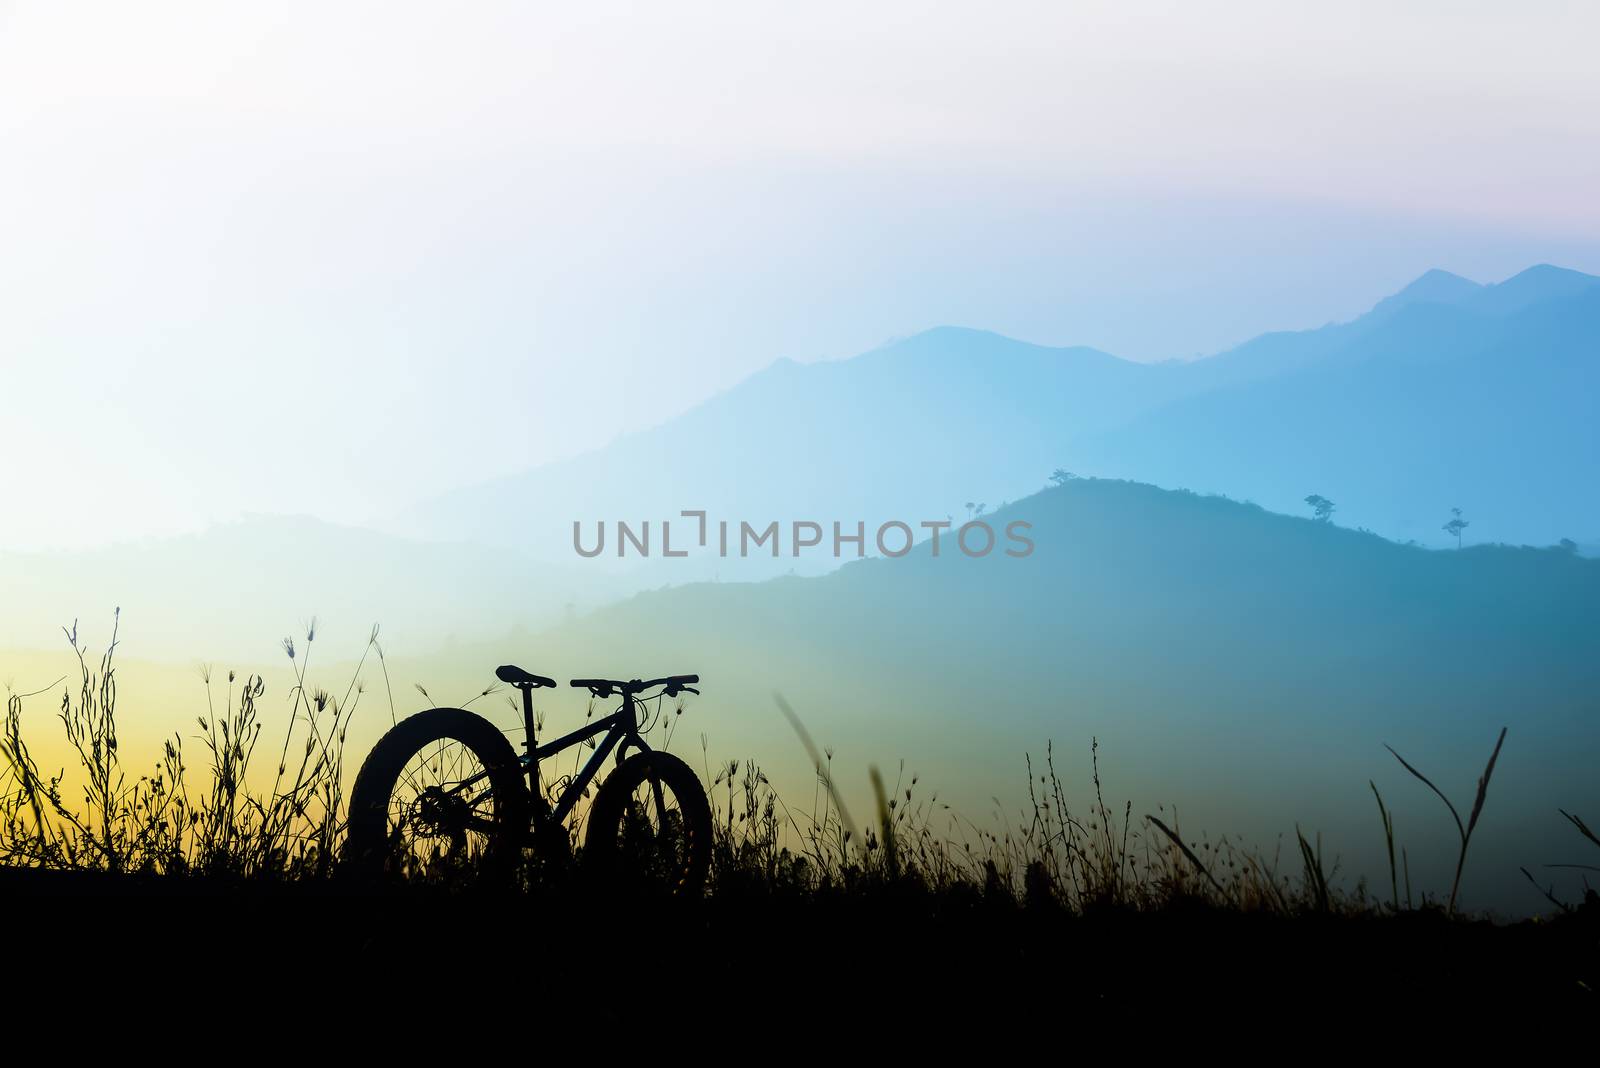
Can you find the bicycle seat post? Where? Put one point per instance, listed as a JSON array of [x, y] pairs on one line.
[[530, 743]]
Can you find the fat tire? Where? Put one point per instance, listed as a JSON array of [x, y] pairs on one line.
[[365, 851], [601, 855]]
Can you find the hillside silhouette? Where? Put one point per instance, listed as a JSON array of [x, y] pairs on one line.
[[1207, 635], [227, 584]]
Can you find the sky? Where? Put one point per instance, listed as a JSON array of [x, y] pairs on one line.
[[332, 258]]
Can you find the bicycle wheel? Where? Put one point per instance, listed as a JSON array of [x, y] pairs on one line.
[[651, 823], [440, 797]]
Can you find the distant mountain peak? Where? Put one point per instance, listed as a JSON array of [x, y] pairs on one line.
[[963, 342], [947, 335], [1538, 283], [1438, 276], [1535, 285], [1431, 287], [1544, 272]]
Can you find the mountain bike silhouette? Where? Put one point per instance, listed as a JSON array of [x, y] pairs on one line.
[[443, 793]]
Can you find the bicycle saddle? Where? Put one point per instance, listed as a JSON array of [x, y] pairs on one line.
[[517, 677]]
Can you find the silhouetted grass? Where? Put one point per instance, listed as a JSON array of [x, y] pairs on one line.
[[176, 822], [162, 822]]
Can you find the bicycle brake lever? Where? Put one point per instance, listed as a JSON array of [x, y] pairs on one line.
[[690, 689]]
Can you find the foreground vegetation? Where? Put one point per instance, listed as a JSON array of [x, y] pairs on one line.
[[1105, 878]]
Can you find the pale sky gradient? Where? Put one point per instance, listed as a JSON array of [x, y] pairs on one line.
[[328, 258]]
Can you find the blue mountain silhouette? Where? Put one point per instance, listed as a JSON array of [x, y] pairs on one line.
[[1447, 394], [1438, 406]]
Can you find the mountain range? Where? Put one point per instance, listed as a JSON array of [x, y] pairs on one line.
[[1446, 394]]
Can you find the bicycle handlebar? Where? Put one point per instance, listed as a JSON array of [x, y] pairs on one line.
[[605, 687]]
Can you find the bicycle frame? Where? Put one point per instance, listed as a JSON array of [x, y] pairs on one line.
[[622, 733]]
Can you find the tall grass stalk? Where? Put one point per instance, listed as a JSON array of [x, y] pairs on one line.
[[1464, 830]]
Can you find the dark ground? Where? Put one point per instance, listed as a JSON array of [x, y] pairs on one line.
[[941, 959]]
